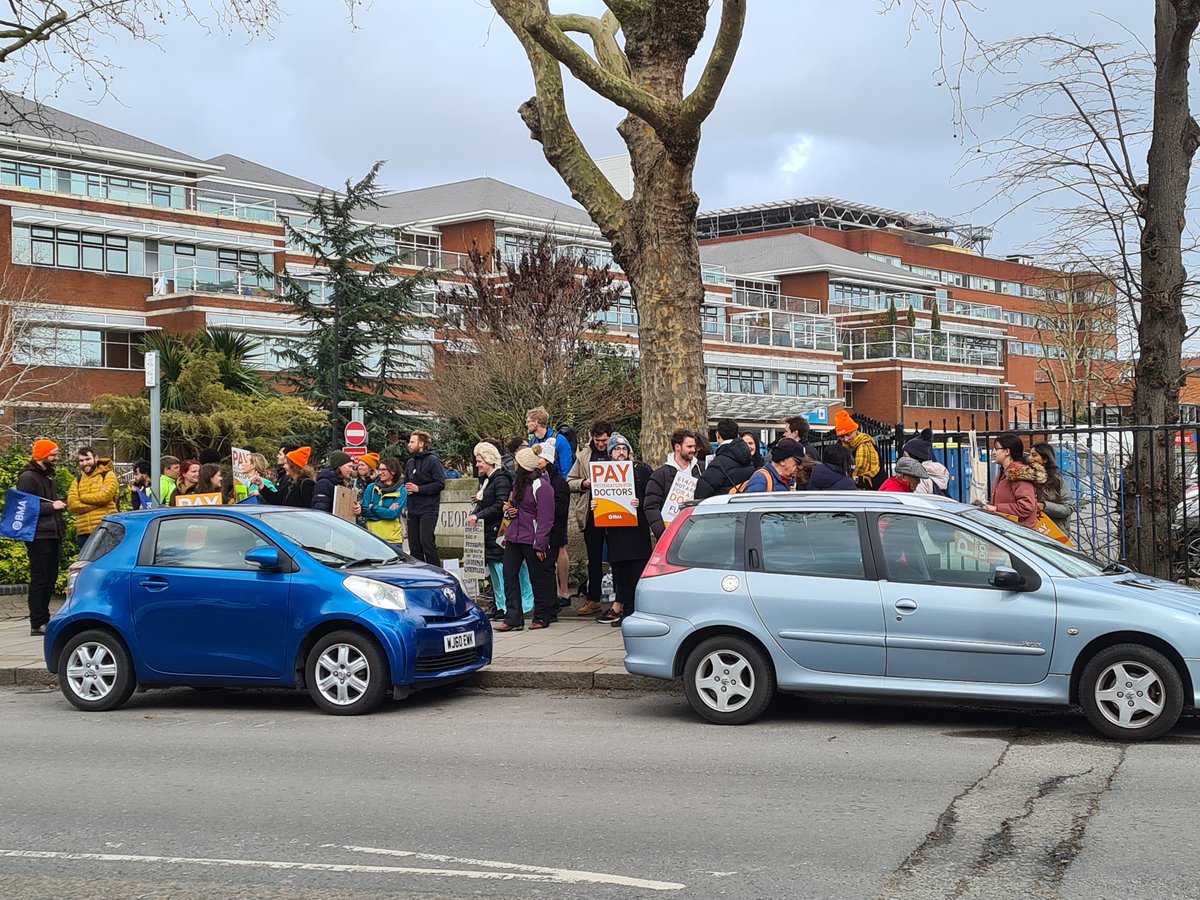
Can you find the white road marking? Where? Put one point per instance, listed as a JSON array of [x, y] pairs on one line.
[[568, 876], [593, 878]]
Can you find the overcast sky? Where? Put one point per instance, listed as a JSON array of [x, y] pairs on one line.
[[825, 99]]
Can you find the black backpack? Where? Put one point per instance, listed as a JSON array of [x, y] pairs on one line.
[[569, 433]]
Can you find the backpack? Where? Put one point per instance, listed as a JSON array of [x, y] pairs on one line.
[[741, 488], [572, 437]]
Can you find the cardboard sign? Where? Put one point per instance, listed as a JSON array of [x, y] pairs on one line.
[[344, 500], [683, 489], [241, 465], [213, 499], [474, 560], [612, 489]]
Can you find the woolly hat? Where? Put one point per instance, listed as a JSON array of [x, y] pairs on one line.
[[527, 459], [786, 448], [209, 456], [338, 458], [371, 459], [300, 456], [844, 424], [919, 449], [488, 453], [906, 466], [545, 450], [42, 449], [619, 440]]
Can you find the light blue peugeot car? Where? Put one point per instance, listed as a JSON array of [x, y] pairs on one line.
[[905, 595]]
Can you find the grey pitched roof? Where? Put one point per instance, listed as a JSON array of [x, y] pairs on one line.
[[23, 116], [776, 253], [240, 169], [476, 194]]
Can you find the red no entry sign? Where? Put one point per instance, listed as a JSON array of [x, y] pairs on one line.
[[356, 434]]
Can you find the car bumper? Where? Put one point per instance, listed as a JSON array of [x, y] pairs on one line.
[[652, 643], [1193, 667], [416, 648]]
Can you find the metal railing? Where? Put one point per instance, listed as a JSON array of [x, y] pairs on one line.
[[713, 274], [953, 307], [210, 280], [771, 328], [767, 300], [426, 257], [852, 303], [902, 342], [224, 203]]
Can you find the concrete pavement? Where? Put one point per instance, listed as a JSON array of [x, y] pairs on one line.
[[574, 653]]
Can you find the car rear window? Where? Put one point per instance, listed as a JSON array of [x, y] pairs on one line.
[[709, 542], [106, 537]]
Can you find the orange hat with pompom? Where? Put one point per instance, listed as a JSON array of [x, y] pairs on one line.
[[844, 424], [42, 449], [300, 456]]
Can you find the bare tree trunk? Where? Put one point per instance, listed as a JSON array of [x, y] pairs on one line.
[[1162, 326]]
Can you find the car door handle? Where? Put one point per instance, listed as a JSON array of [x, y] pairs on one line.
[[906, 605], [154, 583]]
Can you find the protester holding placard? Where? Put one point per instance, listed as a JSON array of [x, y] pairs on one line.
[[580, 483], [629, 546], [673, 484], [37, 478], [531, 519]]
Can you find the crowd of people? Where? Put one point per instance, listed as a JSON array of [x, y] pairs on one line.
[[532, 493]]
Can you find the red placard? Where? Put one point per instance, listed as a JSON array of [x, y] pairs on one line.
[[355, 452], [356, 434]]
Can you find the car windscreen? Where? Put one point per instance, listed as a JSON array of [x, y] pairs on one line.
[[330, 540], [1062, 557]]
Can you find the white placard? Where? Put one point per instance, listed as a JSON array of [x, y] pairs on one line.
[[474, 557], [241, 465], [683, 489]]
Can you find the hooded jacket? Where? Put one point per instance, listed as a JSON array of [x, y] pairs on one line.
[[657, 489], [425, 470], [581, 497], [564, 456], [40, 482], [730, 466], [93, 496], [826, 478], [938, 481], [382, 508], [1014, 494], [322, 496]]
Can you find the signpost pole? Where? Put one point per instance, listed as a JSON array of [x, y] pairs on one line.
[[152, 382]]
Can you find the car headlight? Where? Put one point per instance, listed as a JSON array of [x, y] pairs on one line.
[[377, 593]]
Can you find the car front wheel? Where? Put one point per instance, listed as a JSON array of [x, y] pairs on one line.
[[95, 671], [728, 680], [1131, 693], [346, 673]]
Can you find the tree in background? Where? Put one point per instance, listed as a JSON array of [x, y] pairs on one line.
[[639, 61], [235, 354], [531, 336], [361, 316]]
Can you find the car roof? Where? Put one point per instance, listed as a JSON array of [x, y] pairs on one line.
[[247, 510], [876, 501]]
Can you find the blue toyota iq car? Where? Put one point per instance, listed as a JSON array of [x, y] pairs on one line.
[[903, 595], [257, 596]]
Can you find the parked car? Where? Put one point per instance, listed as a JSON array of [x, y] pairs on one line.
[[906, 595], [252, 596]]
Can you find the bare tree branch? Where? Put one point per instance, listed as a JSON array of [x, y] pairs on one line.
[[700, 103]]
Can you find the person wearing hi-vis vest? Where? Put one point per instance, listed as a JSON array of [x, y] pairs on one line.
[[45, 549]]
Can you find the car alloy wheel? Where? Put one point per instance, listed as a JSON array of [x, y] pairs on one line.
[[728, 680], [725, 681], [1131, 692], [343, 674], [95, 671], [91, 671], [347, 673]]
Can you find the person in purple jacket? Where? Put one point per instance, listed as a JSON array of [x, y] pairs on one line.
[[530, 512]]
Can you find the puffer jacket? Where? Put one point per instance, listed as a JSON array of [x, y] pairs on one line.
[[92, 497], [40, 482], [939, 477], [534, 520], [866, 457], [327, 482], [730, 466], [1014, 494], [494, 490], [826, 478]]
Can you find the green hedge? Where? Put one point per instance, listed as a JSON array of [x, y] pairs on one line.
[[14, 562]]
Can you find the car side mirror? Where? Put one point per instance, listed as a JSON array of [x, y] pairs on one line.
[[1008, 579], [266, 558]]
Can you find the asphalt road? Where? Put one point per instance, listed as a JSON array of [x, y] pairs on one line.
[[542, 794]]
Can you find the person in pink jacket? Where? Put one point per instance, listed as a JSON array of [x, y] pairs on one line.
[[530, 512], [1014, 494]]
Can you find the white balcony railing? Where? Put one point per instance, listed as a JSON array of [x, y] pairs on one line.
[[953, 307], [210, 280], [901, 342], [769, 300]]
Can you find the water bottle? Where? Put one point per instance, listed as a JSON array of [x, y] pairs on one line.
[[606, 588]]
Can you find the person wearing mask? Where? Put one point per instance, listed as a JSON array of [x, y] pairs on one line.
[[424, 480], [866, 456], [729, 467], [537, 423], [140, 496], [301, 479], [93, 494], [527, 541], [776, 475], [1053, 493], [562, 510], [756, 458], [920, 448], [579, 481], [833, 472], [629, 547], [383, 502], [681, 459], [189, 478], [45, 550], [1014, 494], [495, 487], [171, 466], [906, 476], [340, 471]]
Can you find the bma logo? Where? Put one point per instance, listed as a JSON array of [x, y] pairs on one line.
[[20, 514]]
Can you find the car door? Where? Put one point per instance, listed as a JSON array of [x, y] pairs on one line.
[[945, 620], [200, 609], [815, 590]]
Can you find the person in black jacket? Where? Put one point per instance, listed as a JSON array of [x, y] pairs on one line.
[[339, 473], [45, 549], [730, 465], [834, 473], [301, 480], [628, 546], [425, 479], [562, 511], [682, 459]]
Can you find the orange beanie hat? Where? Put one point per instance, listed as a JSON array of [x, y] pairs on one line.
[[371, 459], [42, 449], [843, 424], [299, 456]]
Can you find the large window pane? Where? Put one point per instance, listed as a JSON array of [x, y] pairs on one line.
[[928, 551]]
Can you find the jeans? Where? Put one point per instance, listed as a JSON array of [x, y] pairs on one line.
[[497, 570], [44, 555], [421, 542]]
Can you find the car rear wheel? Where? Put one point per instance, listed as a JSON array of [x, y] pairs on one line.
[[95, 671], [728, 680], [346, 673], [1131, 693]]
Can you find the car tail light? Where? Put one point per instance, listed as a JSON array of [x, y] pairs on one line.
[[658, 564], [72, 575]]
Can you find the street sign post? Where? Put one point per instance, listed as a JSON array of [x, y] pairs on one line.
[[152, 381], [355, 434]]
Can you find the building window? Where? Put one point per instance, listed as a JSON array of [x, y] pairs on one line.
[[712, 319], [417, 249], [67, 248], [936, 395], [69, 427], [731, 380], [621, 315], [884, 258], [80, 348]]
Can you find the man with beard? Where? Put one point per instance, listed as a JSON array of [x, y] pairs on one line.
[[93, 494], [45, 549]]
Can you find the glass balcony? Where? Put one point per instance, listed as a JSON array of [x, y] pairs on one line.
[[211, 280], [901, 342], [953, 307], [768, 300], [844, 300], [713, 274]]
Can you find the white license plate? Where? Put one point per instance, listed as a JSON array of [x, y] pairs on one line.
[[461, 641]]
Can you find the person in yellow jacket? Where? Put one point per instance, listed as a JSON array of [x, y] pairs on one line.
[[93, 494], [866, 456]]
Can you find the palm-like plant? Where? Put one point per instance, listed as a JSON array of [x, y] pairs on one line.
[[235, 352]]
